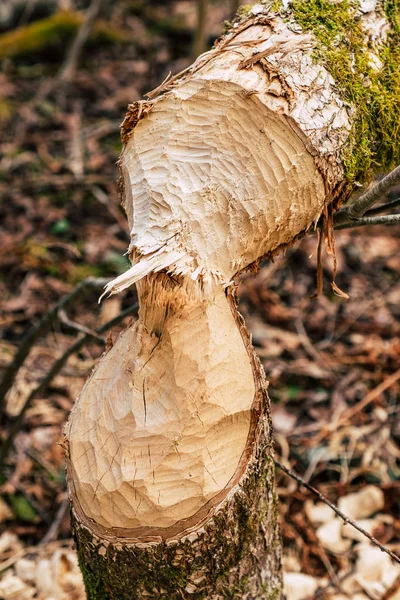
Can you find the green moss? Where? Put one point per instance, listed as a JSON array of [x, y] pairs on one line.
[[45, 32], [374, 94], [275, 594], [243, 10], [51, 32], [93, 584]]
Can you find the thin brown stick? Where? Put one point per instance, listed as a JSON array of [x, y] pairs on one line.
[[52, 532], [57, 366], [383, 207], [41, 327], [199, 44], [78, 327], [370, 397], [234, 7], [356, 210], [382, 220], [335, 509], [349, 413], [68, 68]]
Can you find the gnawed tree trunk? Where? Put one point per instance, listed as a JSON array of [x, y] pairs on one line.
[[169, 455]]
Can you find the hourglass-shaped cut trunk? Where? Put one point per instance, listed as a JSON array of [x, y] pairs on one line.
[[169, 457]]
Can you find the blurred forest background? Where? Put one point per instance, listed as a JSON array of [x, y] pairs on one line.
[[333, 365]]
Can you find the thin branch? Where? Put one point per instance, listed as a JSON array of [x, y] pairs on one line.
[[78, 327], [335, 509], [359, 207], [370, 397], [68, 69], [234, 7], [41, 327], [55, 526], [57, 366], [383, 208], [382, 220], [199, 44]]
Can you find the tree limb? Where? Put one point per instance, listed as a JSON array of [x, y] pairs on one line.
[[199, 44], [360, 206], [335, 509], [383, 207], [381, 220]]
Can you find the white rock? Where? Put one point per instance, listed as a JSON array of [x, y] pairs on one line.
[[330, 536], [26, 570], [375, 569], [362, 504], [298, 586], [318, 513], [13, 588]]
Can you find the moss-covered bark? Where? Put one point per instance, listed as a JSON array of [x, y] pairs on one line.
[[366, 70]]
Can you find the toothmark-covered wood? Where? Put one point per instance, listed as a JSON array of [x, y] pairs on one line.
[[169, 447]]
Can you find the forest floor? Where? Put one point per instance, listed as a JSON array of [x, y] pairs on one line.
[[332, 364]]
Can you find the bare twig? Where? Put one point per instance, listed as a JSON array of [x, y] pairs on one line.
[[53, 529], [68, 68], [199, 44], [383, 207], [41, 328], [370, 397], [356, 210], [78, 327], [234, 8], [335, 509], [350, 412], [57, 366], [307, 345], [382, 220]]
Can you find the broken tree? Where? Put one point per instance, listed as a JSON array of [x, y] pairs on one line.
[[169, 455]]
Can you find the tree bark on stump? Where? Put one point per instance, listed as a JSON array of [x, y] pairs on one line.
[[169, 447]]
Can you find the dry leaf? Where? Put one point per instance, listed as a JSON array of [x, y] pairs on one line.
[[375, 571], [13, 588], [9, 541], [60, 578]]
